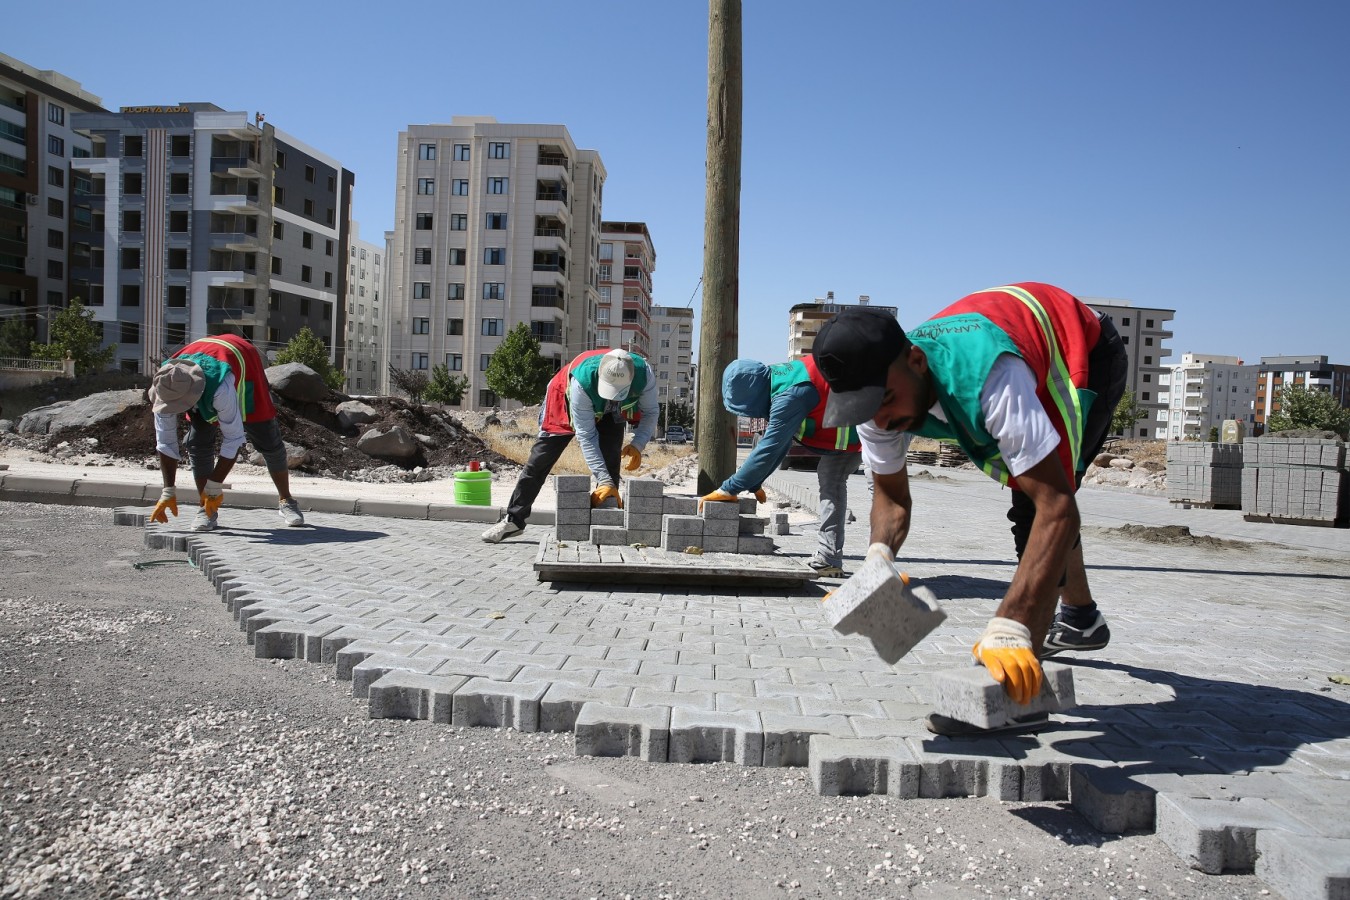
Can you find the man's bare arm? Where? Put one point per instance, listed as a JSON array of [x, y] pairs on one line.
[[891, 505], [1035, 585]]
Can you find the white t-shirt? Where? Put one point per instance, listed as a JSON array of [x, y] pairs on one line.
[[1012, 413], [231, 424]]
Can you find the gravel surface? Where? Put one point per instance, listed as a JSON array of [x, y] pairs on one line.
[[146, 753]]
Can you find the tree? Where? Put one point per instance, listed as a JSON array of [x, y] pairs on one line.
[[676, 412], [413, 382], [1313, 409], [1127, 413], [1214, 434], [444, 387], [74, 331], [15, 338], [517, 371], [307, 350]]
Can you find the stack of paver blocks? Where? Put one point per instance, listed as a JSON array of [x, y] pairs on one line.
[[1205, 473], [650, 517], [1300, 479]]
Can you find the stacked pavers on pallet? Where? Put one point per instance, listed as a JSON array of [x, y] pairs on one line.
[[1298, 479], [651, 518], [1205, 473]]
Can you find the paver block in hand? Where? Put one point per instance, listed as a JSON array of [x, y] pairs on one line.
[[877, 603], [972, 695]]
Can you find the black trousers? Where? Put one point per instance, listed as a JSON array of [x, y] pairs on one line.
[[545, 454], [1108, 372]]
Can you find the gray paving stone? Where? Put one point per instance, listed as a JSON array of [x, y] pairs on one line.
[[1216, 836], [562, 703], [1317, 868], [1111, 801], [499, 704], [840, 766], [400, 694], [970, 694], [787, 737], [643, 732], [708, 736]]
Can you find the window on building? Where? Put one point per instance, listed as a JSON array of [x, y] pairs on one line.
[[421, 360], [175, 334], [55, 145], [460, 187], [604, 294], [421, 290], [454, 326], [180, 183], [1143, 432], [276, 265], [306, 274], [131, 257], [281, 159], [307, 240], [494, 256], [131, 295], [456, 291], [178, 258], [606, 251], [309, 174], [605, 273], [332, 184], [421, 325], [56, 114], [426, 186], [459, 222], [499, 150], [180, 145], [1148, 323], [133, 145], [602, 315], [454, 362], [57, 177], [487, 398], [462, 152], [57, 207], [1148, 361], [278, 195], [1147, 396], [492, 327], [130, 333], [497, 185], [1124, 338], [1147, 378], [602, 337], [327, 248], [308, 207], [304, 306], [175, 297], [484, 359], [457, 256], [426, 151], [1148, 342], [496, 221], [422, 256], [327, 279], [424, 222], [494, 290], [56, 239]]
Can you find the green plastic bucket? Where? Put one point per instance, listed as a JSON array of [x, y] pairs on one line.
[[473, 488]]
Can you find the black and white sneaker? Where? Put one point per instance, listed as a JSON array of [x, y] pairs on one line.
[[1063, 636], [825, 569], [501, 531], [948, 727]]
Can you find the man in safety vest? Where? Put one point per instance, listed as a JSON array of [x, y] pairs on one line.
[[593, 397], [792, 397], [1025, 378], [217, 381]]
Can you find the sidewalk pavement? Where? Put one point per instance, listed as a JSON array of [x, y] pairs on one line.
[[1210, 718]]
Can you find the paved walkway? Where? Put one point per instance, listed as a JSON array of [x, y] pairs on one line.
[[1215, 688]]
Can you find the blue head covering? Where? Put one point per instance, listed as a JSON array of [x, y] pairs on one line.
[[746, 388]]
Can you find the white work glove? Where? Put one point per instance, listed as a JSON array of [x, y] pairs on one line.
[[1005, 650]]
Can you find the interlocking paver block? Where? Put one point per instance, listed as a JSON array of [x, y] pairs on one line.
[[572, 484], [401, 694], [643, 732], [562, 703], [499, 704], [720, 511], [1215, 836], [369, 670], [706, 736], [970, 694], [876, 603], [1295, 865], [841, 766], [787, 738], [1111, 801], [680, 506]]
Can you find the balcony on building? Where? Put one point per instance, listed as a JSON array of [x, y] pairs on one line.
[[234, 232], [227, 305], [547, 331], [551, 199], [232, 269], [548, 297], [550, 261], [553, 163], [236, 158], [230, 194], [90, 188], [550, 233]]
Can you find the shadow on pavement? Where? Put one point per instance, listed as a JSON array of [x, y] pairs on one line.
[[308, 534]]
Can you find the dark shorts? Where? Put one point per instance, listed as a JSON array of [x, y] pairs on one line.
[[202, 437]]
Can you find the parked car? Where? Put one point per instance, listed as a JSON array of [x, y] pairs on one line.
[[676, 434]]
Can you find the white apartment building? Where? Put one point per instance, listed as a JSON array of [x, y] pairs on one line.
[[365, 292], [623, 315], [805, 319], [671, 354], [1203, 391], [1143, 331], [494, 224]]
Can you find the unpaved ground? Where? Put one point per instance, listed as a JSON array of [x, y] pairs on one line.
[[145, 753], [1170, 534]]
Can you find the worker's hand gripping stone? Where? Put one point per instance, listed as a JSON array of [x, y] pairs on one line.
[[168, 503], [1005, 650], [878, 602]]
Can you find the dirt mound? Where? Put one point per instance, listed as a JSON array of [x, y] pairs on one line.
[[1171, 534]]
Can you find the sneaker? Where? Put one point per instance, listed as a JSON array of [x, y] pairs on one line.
[[203, 522], [501, 531], [1063, 636], [826, 570], [290, 513], [948, 727]]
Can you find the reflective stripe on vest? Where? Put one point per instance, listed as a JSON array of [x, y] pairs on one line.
[[1058, 384]]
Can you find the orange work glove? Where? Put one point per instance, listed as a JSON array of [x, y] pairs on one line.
[[717, 496], [603, 494], [632, 458], [1005, 650], [168, 502], [212, 497]]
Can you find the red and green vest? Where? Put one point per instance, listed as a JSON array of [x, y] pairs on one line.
[[812, 432], [1047, 327], [227, 353], [585, 369]]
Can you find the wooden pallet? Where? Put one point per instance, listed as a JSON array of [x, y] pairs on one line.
[[573, 561]]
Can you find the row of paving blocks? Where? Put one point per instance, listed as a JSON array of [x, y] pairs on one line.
[[649, 517], [1301, 480], [1216, 823]]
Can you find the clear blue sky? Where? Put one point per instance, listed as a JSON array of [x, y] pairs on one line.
[[1193, 155]]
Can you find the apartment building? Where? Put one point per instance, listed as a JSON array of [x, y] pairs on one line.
[[1202, 392], [495, 224], [624, 315], [363, 341], [37, 143], [191, 220], [671, 356], [1312, 372], [1143, 331], [805, 319]]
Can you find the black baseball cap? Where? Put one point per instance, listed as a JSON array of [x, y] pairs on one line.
[[854, 351]]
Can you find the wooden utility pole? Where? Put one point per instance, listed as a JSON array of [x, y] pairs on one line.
[[718, 335]]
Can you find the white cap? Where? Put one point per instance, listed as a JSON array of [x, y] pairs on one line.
[[616, 374]]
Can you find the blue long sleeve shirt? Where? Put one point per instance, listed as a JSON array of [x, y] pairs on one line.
[[787, 411]]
